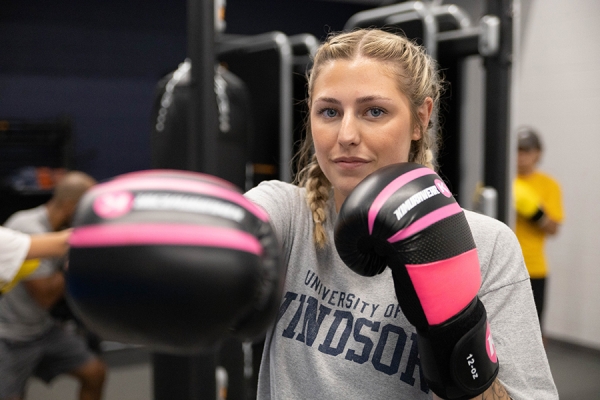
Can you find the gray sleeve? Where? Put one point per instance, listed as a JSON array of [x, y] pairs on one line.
[[24, 222], [285, 205], [507, 296], [270, 196]]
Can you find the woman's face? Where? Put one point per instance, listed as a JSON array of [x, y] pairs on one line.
[[360, 122]]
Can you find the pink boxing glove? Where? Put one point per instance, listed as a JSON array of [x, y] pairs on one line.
[[404, 217], [173, 260]]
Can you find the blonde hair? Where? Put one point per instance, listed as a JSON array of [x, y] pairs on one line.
[[417, 78]]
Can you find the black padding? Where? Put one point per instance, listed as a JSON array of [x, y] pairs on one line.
[[454, 356]]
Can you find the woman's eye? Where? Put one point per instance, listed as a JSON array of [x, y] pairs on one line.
[[329, 112], [375, 112]]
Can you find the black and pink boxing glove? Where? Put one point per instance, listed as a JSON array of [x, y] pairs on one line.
[[173, 260], [404, 217]]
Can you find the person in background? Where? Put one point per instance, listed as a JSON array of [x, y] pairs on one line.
[[373, 101], [538, 203], [32, 342]]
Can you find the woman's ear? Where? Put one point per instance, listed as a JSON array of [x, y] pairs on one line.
[[423, 113]]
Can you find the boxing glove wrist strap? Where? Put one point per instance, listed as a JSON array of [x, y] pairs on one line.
[[458, 358], [538, 216]]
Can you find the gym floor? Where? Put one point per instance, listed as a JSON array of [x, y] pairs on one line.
[[576, 372]]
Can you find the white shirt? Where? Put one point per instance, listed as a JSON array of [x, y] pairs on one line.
[[14, 246]]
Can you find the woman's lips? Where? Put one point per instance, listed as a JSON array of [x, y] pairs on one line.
[[349, 162]]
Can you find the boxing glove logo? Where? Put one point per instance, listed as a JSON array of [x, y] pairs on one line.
[[113, 205], [421, 196], [441, 186], [491, 349]]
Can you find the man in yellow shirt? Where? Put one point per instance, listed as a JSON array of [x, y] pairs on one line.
[[539, 208]]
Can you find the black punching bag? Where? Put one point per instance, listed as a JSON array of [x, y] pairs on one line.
[[170, 123]]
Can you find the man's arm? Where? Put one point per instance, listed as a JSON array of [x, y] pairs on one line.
[[550, 227], [46, 245]]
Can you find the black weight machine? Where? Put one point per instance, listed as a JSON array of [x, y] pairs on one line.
[[449, 36], [228, 111]]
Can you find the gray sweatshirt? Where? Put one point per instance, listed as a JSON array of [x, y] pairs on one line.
[[340, 335]]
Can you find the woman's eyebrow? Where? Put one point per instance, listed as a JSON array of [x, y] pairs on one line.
[[328, 100], [360, 100], [367, 99]]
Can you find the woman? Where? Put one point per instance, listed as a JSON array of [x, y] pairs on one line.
[[373, 99]]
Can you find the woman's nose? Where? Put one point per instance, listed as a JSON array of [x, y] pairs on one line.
[[349, 132]]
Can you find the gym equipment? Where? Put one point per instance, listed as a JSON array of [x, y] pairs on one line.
[[235, 133], [260, 75], [432, 25], [414, 18], [254, 89], [264, 62], [449, 36], [304, 46]]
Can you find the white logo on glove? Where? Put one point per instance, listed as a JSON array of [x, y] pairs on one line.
[[415, 200]]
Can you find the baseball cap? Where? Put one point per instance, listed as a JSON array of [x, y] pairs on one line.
[[528, 139]]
